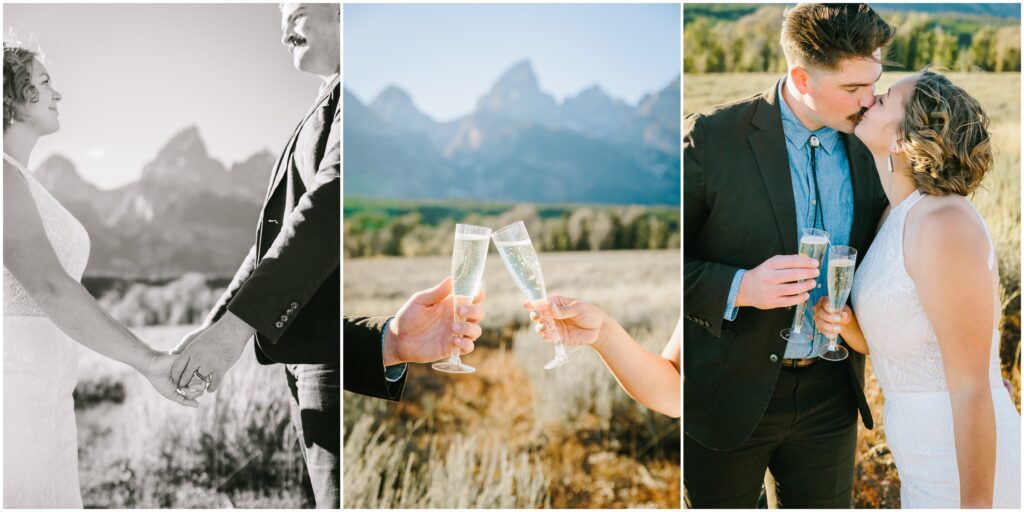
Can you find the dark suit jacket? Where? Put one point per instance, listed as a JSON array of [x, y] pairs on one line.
[[288, 287], [364, 359], [739, 211]]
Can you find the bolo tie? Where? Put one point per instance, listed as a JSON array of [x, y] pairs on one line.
[[818, 212]]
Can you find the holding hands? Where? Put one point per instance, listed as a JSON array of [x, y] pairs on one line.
[[206, 354], [157, 370]]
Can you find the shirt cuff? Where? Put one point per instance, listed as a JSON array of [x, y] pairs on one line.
[[730, 305], [395, 372]]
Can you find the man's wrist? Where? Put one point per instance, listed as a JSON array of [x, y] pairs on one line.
[[741, 292], [236, 328], [391, 352]]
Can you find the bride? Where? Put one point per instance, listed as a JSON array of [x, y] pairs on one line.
[[46, 309], [927, 302]]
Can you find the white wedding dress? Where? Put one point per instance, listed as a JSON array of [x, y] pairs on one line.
[[40, 438], [905, 355]]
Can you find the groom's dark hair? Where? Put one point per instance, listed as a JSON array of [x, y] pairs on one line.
[[823, 35]]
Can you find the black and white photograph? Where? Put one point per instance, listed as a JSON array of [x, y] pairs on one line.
[[171, 253]]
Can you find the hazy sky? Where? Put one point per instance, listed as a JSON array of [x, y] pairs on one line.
[[134, 75], [448, 55]]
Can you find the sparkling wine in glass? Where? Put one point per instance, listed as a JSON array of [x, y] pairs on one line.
[[516, 250], [813, 243], [468, 258], [842, 260]]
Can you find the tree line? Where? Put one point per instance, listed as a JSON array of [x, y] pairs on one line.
[[714, 43], [421, 231]]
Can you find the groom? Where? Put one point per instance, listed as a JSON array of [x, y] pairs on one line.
[[756, 172], [287, 290]]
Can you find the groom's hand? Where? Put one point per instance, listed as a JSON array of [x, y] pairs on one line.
[[213, 352], [156, 370], [776, 282], [423, 329], [185, 340]]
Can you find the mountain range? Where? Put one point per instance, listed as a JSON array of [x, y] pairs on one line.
[[187, 211], [518, 144]]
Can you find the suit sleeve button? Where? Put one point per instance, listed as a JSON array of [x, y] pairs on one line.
[[774, 358], [279, 325], [284, 318], [294, 304]]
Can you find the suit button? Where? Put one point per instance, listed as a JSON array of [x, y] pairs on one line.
[[294, 305], [291, 311], [774, 358], [279, 325], [284, 318]]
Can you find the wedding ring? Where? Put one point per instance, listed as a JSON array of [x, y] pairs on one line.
[[204, 379]]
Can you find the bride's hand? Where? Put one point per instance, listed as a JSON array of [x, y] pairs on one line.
[[578, 322], [158, 370], [831, 324]]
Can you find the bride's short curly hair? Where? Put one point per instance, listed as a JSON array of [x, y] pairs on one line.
[[18, 88], [945, 132]]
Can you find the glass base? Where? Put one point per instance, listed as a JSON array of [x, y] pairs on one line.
[[838, 354], [562, 358], [448, 367], [796, 337]]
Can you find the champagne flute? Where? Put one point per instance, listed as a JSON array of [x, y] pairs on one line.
[[813, 243], [842, 260], [468, 258], [516, 250]]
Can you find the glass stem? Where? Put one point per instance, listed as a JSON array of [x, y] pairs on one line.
[[454, 358]]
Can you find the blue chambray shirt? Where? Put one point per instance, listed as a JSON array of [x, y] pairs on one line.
[[836, 190]]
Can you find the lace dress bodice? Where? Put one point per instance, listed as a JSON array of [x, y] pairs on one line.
[[67, 236], [905, 351]]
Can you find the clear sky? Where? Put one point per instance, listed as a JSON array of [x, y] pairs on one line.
[[134, 75], [448, 55]]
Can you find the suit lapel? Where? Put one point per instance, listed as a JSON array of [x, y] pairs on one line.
[[285, 157], [769, 146]]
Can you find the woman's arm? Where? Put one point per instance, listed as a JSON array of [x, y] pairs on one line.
[[843, 324], [30, 258], [651, 379], [947, 258]]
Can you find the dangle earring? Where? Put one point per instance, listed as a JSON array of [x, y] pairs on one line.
[[890, 163]]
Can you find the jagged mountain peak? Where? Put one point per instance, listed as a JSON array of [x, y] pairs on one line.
[[61, 178], [393, 93], [520, 79], [187, 140]]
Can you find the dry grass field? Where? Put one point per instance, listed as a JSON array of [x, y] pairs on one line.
[[877, 484], [513, 435], [139, 450]]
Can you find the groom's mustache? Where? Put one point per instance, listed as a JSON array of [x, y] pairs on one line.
[[855, 118]]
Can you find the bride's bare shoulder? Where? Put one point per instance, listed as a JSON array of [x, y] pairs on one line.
[[944, 227]]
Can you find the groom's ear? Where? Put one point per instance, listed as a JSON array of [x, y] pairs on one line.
[[800, 77]]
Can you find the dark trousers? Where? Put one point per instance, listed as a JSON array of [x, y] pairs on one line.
[[807, 438], [316, 415]]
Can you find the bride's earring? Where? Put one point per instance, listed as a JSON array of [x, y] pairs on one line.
[[890, 163]]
